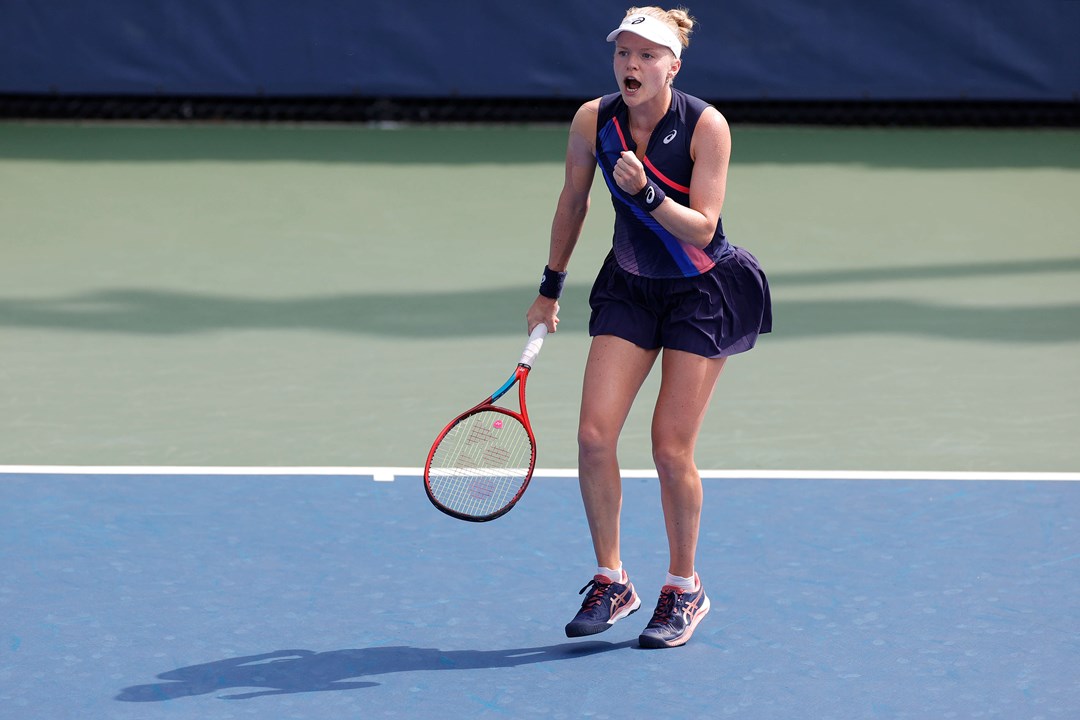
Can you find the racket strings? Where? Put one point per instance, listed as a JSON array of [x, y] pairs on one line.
[[481, 464]]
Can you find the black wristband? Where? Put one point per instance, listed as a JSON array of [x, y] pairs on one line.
[[650, 196], [551, 283]]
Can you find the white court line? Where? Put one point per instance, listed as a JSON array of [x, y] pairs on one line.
[[389, 474], [379, 474]]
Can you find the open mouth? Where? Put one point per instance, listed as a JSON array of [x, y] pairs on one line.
[[631, 85]]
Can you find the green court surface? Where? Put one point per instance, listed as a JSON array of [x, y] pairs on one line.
[[329, 296]]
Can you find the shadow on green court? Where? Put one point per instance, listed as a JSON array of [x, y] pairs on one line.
[[927, 272], [441, 145], [931, 149], [160, 312], [254, 143]]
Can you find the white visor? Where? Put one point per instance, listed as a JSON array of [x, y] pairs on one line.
[[651, 29]]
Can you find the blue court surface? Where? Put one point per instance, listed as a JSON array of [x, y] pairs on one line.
[[194, 595]]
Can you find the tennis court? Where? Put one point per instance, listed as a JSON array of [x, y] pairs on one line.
[[890, 526], [315, 296], [144, 596]]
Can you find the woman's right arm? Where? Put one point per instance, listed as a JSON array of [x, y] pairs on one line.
[[572, 208]]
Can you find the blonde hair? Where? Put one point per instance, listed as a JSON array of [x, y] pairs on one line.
[[678, 20]]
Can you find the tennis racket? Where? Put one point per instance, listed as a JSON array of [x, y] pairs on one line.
[[481, 463]]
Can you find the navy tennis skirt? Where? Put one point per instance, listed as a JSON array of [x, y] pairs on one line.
[[719, 313]]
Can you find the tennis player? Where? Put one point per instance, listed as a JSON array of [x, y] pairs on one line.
[[672, 287]]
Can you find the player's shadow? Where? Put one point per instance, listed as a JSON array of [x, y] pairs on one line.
[[300, 671]]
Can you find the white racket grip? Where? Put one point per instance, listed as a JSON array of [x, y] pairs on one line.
[[532, 349]]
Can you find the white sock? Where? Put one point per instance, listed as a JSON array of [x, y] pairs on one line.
[[686, 584], [615, 575]]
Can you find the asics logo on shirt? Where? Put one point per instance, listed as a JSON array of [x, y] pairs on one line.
[[670, 136]]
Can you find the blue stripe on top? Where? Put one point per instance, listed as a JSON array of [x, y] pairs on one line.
[[672, 244], [636, 235]]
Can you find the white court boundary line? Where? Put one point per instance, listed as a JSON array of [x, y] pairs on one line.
[[389, 474]]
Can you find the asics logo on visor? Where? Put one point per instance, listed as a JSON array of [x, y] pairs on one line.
[[638, 21]]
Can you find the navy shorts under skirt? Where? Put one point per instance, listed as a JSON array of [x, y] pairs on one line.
[[716, 314]]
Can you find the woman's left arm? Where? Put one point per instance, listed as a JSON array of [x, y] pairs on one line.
[[710, 150]]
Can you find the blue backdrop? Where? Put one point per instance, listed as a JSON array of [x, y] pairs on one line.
[[744, 49]]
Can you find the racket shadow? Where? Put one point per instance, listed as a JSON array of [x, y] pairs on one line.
[[285, 672]]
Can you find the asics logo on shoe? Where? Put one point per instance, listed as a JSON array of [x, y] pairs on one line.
[[606, 603], [690, 609], [677, 615], [619, 600]]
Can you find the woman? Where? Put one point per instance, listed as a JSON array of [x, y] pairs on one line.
[[672, 287]]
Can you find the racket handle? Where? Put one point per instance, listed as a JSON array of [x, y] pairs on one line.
[[532, 349]]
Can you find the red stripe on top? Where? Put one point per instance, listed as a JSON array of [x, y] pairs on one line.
[[663, 178], [622, 138], [699, 258], [670, 183]]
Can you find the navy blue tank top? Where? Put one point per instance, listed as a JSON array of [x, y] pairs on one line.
[[640, 244]]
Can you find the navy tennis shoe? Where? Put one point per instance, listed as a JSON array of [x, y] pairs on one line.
[[676, 617], [606, 603]]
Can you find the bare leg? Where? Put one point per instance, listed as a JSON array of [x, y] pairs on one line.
[[614, 373], [686, 387]]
